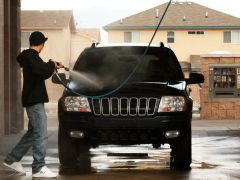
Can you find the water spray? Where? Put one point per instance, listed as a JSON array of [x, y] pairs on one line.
[[85, 79]]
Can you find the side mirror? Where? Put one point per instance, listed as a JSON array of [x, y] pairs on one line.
[[195, 78], [56, 80]]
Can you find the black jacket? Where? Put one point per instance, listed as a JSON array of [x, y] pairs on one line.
[[35, 72]]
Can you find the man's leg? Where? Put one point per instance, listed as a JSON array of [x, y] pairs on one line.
[[22, 147], [39, 123]]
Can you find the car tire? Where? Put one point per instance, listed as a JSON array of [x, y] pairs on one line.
[[181, 154]]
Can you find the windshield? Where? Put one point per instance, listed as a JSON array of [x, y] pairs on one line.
[[112, 65]]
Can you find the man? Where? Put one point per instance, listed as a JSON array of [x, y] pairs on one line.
[[34, 95]]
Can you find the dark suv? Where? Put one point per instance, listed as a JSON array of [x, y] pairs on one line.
[[152, 107]]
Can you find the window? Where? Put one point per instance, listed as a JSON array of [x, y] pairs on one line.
[[231, 36], [196, 32], [224, 81], [127, 37], [170, 37], [200, 32], [25, 40], [131, 37], [227, 36], [235, 37], [191, 32]]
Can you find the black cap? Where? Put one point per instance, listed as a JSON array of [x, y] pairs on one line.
[[37, 38]]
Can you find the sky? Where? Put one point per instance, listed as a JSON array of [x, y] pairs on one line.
[[97, 13]]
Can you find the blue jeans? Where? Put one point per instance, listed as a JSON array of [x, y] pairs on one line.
[[35, 137]]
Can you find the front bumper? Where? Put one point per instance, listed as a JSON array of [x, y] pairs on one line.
[[127, 130]]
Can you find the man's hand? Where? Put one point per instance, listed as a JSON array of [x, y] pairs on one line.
[[59, 65]]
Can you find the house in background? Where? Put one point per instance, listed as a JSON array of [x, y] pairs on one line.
[[189, 29], [82, 38], [65, 41]]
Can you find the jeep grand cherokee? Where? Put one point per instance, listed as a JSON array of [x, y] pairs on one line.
[[153, 107]]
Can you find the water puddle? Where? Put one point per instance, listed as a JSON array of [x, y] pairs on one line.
[[203, 165]]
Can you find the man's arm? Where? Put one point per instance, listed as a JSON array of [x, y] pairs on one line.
[[41, 68]]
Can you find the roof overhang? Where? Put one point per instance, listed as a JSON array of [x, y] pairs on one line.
[[42, 28], [171, 27], [87, 37]]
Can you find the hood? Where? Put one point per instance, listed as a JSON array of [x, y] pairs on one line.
[[149, 88], [21, 58], [153, 88]]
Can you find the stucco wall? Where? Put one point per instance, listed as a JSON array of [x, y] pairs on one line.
[[185, 44], [79, 43], [57, 47]]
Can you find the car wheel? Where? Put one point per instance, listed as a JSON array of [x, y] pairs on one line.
[[84, 160], [181, 154]]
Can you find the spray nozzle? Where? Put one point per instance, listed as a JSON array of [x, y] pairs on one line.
[[66, 69]]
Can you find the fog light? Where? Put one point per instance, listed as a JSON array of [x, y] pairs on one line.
[[172, 134], [77, 134]]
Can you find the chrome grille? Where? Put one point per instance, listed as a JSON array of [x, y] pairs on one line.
[[125, 106]]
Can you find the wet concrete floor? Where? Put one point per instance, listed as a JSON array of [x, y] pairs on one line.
[[216, 156]]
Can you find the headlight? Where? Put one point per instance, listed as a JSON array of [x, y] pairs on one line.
[[172, 104], [77, 104]]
